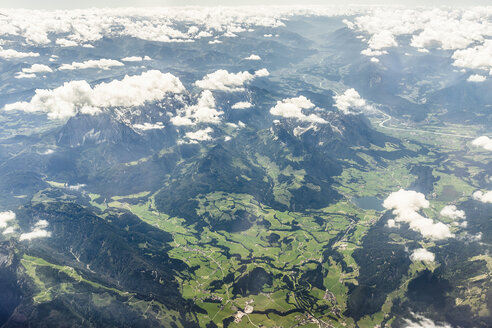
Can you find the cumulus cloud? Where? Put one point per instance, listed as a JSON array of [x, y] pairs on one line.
[[483, 142], [423, 322], [350, 102], [79, 97], [225, 81], [383, 39], [11, 53], [262, 72], [253, 57], [292, 108], [34, 234], [132, 59], [200, 135], [100, 63], [406, 205], [9, 230], [476, 78], [31, 71], [203, 112], [38, 231], [484, 197], [422, 254], [156, 24], [21, 75], [135, 58], [5, 218], [443, 28], [450, 211], [479, 57], [149, 126], [216, 41], [242, 105], [37, 68], [66, 43]]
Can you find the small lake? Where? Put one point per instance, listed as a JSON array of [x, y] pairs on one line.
[[369, 203]]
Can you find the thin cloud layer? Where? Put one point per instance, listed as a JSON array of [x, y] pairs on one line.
[[292, 108], [406, 205], [79, 97], [225, 81]]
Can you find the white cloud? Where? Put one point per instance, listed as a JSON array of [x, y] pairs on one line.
[[41, 224], [479, 57], [149, 126], [292, 108], [37, 68], [429, 27], [132, 59], [483, 142], [181, 121], [79, 97], [5, 218], [38, 231], [135, 58], [484, 197], [476, 78], [100, 63], [11, 53], [262, 72], [34, 234], [203, 112], [253, 57], [9, 230], [66, 43], [406, 204], [423, 322], [30, 72], [382, 39], [350, 102], [374, 60], [225, 81], [450, 211], [422, 254], [200, 135], [216, 41], [21, 75], [242, 105]]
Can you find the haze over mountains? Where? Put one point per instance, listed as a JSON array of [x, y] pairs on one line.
[[220, 167]]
